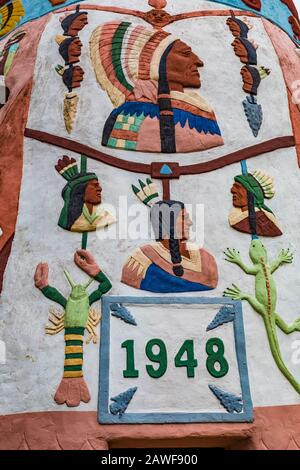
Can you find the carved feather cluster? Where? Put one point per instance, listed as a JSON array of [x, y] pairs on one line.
[[266, 182]]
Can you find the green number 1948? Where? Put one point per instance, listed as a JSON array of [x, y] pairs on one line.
[[216, 362]]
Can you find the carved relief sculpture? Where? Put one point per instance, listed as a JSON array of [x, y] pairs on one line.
[[252, 74], [294, 18], [265, 300], [172, 264], [250, 213], [72, 75], [145, 74], [82, 195], [76, 318]]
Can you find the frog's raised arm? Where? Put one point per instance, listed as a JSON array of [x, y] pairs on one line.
[[104, 287], [53, 294], [85, 260], [42, 283]]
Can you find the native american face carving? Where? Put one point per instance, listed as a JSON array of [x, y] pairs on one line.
[[250, 213], [93, 192], [146, 74], [182, 66]]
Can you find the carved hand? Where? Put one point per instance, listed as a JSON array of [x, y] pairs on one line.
[[41, 276], [233, 256], [235, 293], [285, 256], [85, 261]]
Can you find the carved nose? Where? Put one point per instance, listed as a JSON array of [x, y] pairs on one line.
[[198, 61]]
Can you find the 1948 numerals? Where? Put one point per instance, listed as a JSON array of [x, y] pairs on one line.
[[216, 362]]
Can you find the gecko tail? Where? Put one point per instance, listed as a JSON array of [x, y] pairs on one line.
[[72, 391]]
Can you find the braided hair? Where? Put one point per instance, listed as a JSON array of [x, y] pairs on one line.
[[252, 214], [166, 119], [163, 219]]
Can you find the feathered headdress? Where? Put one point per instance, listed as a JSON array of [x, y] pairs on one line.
[[146, 193]]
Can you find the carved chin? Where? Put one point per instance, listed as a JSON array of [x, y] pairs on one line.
[[193, 83]]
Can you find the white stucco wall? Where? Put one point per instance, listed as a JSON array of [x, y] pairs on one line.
[[34, 361]]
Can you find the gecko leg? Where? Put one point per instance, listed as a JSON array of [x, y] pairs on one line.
[[235, 293], [287, 329]]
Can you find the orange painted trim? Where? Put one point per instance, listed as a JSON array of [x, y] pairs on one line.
[[274, 428], [13, 118], [290, 65]]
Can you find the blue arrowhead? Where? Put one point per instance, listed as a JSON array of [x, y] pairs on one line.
[[121, 402], [166, 170], [225, 315], [119, 311], [231, 402]]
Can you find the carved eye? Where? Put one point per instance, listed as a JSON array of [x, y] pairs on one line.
[[186, 53]]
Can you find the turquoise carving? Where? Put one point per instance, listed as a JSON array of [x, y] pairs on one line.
[[231, 402], [254, 114], [119, 311], [122, 401], [225, 315]]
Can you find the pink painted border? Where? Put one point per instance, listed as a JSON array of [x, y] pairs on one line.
[[274, 428]]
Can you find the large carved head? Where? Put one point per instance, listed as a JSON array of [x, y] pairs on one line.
[[131, 60]]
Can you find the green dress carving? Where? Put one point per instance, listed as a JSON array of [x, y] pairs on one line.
[[265, 299]]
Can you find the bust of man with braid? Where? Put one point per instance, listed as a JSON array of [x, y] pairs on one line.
[[171, 264]]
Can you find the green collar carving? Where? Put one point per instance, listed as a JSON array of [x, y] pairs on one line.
[[89, 217]]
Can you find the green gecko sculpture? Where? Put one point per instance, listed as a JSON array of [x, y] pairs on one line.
[[265, 299]]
